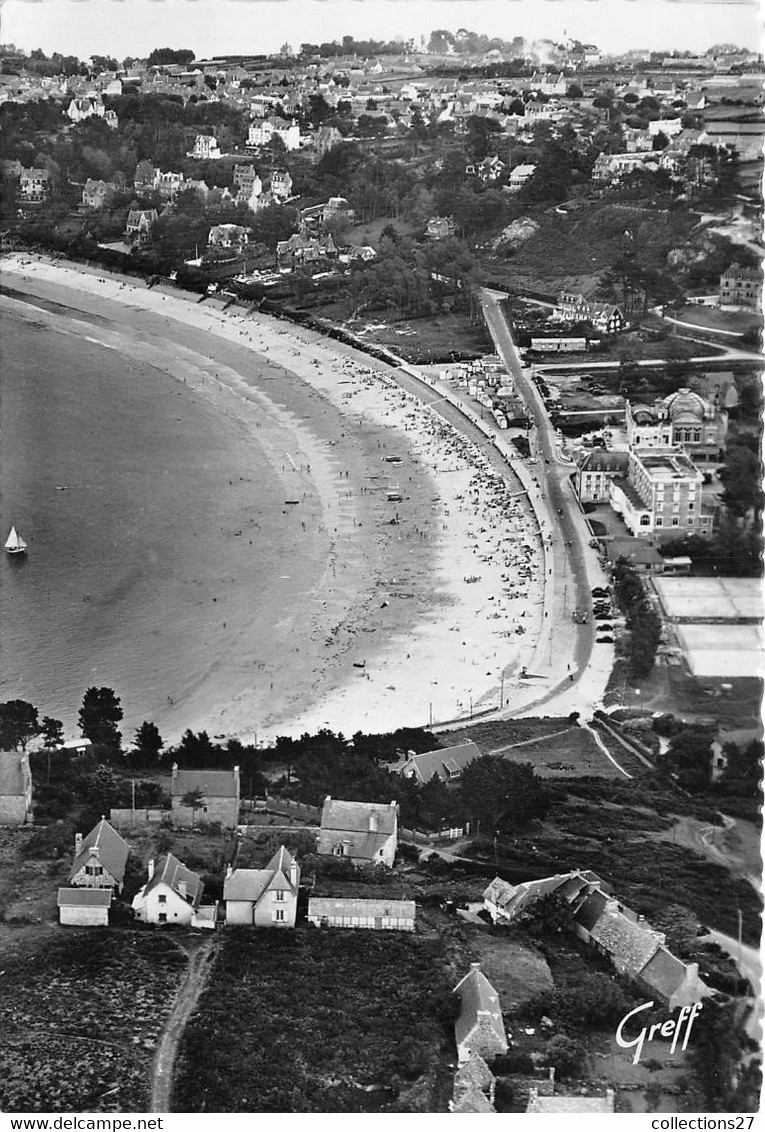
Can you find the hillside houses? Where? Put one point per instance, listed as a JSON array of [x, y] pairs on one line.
[[611, 928], [264, 897], [100, 859], [444, 763], [608, 318], [172, 893]]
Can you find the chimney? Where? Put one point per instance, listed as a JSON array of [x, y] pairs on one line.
[[610, 1098], [373, 823], [182, 889], [641, 918], [612, 907], [77, 844], [175, 778], [475, 966], [293, 873], [551, 1074], [151, 868], [229, 871]]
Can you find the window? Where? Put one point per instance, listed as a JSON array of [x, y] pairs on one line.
[[676, 505], [659, 521], [163, 917], [645, 520], [162, 898], [691, 520], [279, 895], [691, 505], [675, 521], [279, 916]]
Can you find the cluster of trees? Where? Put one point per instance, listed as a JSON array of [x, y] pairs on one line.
[[689, 760], [642, 619]]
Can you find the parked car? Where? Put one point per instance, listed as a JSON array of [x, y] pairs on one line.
[[599, 591], [604, 640]]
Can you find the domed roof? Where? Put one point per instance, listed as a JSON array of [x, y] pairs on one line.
[[685, 403]]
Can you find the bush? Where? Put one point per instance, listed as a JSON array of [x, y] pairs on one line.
[[566, 1055], [514, 1061]]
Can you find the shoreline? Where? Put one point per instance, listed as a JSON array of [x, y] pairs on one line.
[[445, 630]]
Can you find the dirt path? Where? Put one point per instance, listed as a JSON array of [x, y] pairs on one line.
[[200, 965]]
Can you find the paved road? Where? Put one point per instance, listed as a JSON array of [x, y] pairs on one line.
[[570, 578], [192, 986]]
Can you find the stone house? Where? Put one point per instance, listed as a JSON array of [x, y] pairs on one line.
[[327, 137], [264, 898], [614, 930], [301, 250], [146, 177], [281, 184], [15, 788], [221, 793], [479, 1027], [34, 185], [139, 224], [350, 912], [99, 859], [228, 236], [205, 148], [595, 471], [171, 895], [741, 287], [472, 1080], [439, 228], [363, 832], [97, 194], [446, 763], [84, 907]]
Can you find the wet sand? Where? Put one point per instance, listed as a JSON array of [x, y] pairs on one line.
[[391, 612]]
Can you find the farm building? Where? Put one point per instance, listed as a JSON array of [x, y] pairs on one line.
[[346, 912], [84, 907]]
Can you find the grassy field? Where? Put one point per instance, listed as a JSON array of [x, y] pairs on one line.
[[572, 251], [710, 318], [321, 1021], [554, 747], [82, 1012], [733, 702], [417, 340]]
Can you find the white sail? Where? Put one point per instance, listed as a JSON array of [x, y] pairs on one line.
[[15, 543]]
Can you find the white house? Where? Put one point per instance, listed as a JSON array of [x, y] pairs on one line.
[[364, 832], [261, 132], [84, 907], [264, 898], [205, 148], [171, 894], [519, 176]]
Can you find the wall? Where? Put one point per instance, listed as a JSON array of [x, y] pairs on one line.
[[239, 912], [127, 819], [223, 810], [267, 905], [84, 917]]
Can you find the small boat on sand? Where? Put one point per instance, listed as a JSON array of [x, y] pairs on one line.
[[15, 544]]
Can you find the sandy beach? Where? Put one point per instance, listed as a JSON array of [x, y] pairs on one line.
[[405, 581]]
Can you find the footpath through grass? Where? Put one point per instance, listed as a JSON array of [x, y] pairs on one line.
[[317, 1020]]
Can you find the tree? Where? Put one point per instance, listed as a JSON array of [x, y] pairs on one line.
[[194, 799], [99, 715], [741, 476], [52, 731], [574, 91], [148, 744], [18, 724], [104, 789], [688, 758], [566, 1055], [547, 916], [496, 791]]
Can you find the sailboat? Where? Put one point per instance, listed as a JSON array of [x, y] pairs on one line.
[[15, 544]]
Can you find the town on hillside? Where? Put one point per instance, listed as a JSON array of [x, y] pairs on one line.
[[551, 903]]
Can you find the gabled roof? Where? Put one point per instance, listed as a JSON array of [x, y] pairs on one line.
[[475, 1073], [479, 1002], [212, 783], [84, 897], [250, 884], [355, 817], [443, 760], [170, 871], [664, 972], [473, 1100], [113, 852], [631, 943]]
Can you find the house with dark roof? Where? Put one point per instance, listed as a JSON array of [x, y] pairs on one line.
[[479, 1027], [446, 763], [472, 1080], [363, 832], [99, 858], [172, 893], [84, 907], [595, 471], [634, 948], [15, 788], [220, 790], [264, 898]]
